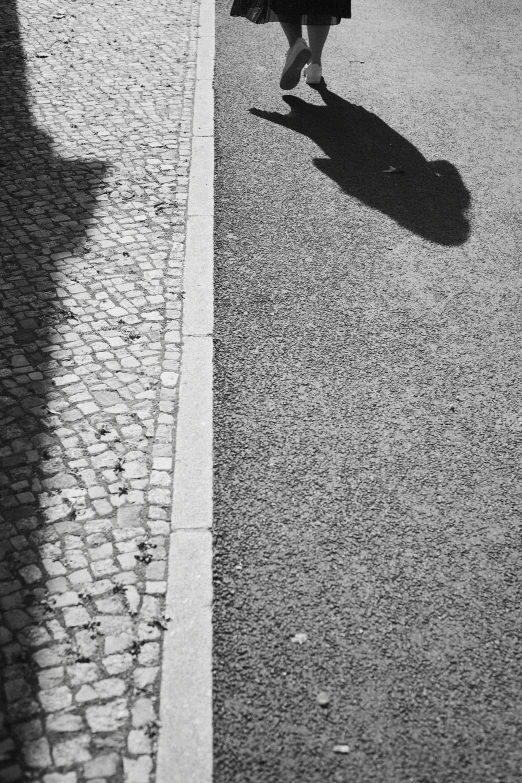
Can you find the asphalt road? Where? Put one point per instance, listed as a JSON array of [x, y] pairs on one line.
[[368, 401]]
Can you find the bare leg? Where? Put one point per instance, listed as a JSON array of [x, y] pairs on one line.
[[317, 35], [292, 32]]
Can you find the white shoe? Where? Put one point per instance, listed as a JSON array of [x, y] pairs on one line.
[[313, 73], [296, 58]]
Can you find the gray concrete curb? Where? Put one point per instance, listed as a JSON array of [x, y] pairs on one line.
[[185, 738]]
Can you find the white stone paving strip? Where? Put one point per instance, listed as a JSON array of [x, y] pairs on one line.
[[185, 740]]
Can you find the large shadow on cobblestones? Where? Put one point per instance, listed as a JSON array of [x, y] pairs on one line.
[[46, 204]]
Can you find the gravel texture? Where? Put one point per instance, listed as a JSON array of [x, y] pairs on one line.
[[368, 398], [95, 124]]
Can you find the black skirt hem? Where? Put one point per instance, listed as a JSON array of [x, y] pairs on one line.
[[291, 11]]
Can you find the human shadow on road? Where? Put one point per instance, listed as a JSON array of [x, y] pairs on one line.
[[375, 164], [46, 207]]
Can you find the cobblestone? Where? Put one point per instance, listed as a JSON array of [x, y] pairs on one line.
[[70, 777], [95, 124], [65, 722], [72, 751], [37, 753], [103, 765], [107, 717]]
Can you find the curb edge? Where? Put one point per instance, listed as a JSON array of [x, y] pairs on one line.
[[184, 752]]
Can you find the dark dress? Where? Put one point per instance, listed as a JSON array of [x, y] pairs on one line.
[[320, 12]]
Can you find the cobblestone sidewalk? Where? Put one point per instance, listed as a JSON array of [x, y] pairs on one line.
[[95, 119]]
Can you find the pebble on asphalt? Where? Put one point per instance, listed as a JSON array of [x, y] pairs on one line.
[[323, 699], [299, 638]]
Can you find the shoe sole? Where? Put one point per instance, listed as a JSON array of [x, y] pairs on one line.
[[292, 75]]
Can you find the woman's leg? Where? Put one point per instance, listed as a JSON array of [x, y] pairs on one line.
[[296, 57], [292, 32], [317, 35]]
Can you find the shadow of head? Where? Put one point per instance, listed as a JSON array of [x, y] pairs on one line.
[[46, 200], [373, 163]]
